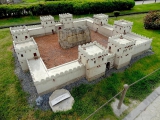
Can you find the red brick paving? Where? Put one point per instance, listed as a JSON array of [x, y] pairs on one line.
[[53, 55]]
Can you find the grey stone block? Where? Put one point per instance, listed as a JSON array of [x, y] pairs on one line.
[[63, 105]]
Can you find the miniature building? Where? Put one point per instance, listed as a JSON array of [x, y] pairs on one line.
[[99, 20], [71, 37], [122, 27], [19, 34], [48, 23], [123, 47], [93, 59], [66, 19], [26, 50]]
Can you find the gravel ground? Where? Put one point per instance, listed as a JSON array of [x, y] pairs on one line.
[[28, 85]]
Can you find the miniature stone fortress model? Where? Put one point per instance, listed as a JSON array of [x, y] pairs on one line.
[[93, 58]]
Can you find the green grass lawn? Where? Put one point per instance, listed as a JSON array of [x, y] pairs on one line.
[[88, 98], [35, 19]]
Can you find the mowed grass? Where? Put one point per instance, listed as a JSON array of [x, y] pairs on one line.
[[88, 98], [35, 19]]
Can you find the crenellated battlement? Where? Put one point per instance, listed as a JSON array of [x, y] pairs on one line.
[[19, 31], [142, 44], [123, 23], [65, 15], [46, 18], [116, 40], [79, 19], [141, 36], [33, 26], [25, 45], [17, 28], [82, 50], [100, 16]]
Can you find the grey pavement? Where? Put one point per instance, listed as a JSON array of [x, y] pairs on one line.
[[146, 2], [149, 109]]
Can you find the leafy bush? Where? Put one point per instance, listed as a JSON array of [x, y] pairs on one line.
[[152, 20], [116, 13], [72, 6]]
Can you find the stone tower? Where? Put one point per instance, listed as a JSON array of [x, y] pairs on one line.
[[94, 57], [48, 23], [66, 19], [19, 34], [25, 47], [122, 27], [99, 20], [123, 47]]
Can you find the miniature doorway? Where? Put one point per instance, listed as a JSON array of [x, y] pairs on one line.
[[35, 54], [52, 31], [108, 66]]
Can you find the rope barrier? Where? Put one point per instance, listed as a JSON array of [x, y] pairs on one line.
[[103, 105], [119, 93], [144, 77]]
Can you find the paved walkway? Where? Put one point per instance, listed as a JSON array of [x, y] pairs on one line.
[[152, 112], [146, 2], [149, 109]]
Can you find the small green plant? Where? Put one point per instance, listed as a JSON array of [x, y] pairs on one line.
[[152, 20], [116, 13]]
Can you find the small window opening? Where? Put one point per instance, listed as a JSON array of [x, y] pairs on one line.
[[117, 50], [35, 54], [59, 28], [94, 61], [26, 37], [21, 55]]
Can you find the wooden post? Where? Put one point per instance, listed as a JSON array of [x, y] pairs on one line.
[[123, 95]]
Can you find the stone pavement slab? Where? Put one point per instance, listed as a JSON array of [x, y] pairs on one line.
[[152, 112], [149, 109]]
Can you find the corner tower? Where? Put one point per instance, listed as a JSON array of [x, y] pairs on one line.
[[94, 57], [48, 23], [123, 48], [99, 20], [66, 19], [19, 34], [122, 27]]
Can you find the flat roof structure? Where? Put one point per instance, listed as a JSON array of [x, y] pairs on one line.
[[122, 41], [92, 50], [100, 16], [29, 43], [123, 23], [24, 44], [37, 69]]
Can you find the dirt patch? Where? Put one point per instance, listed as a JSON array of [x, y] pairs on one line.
[[10, 48], [53, 55]]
